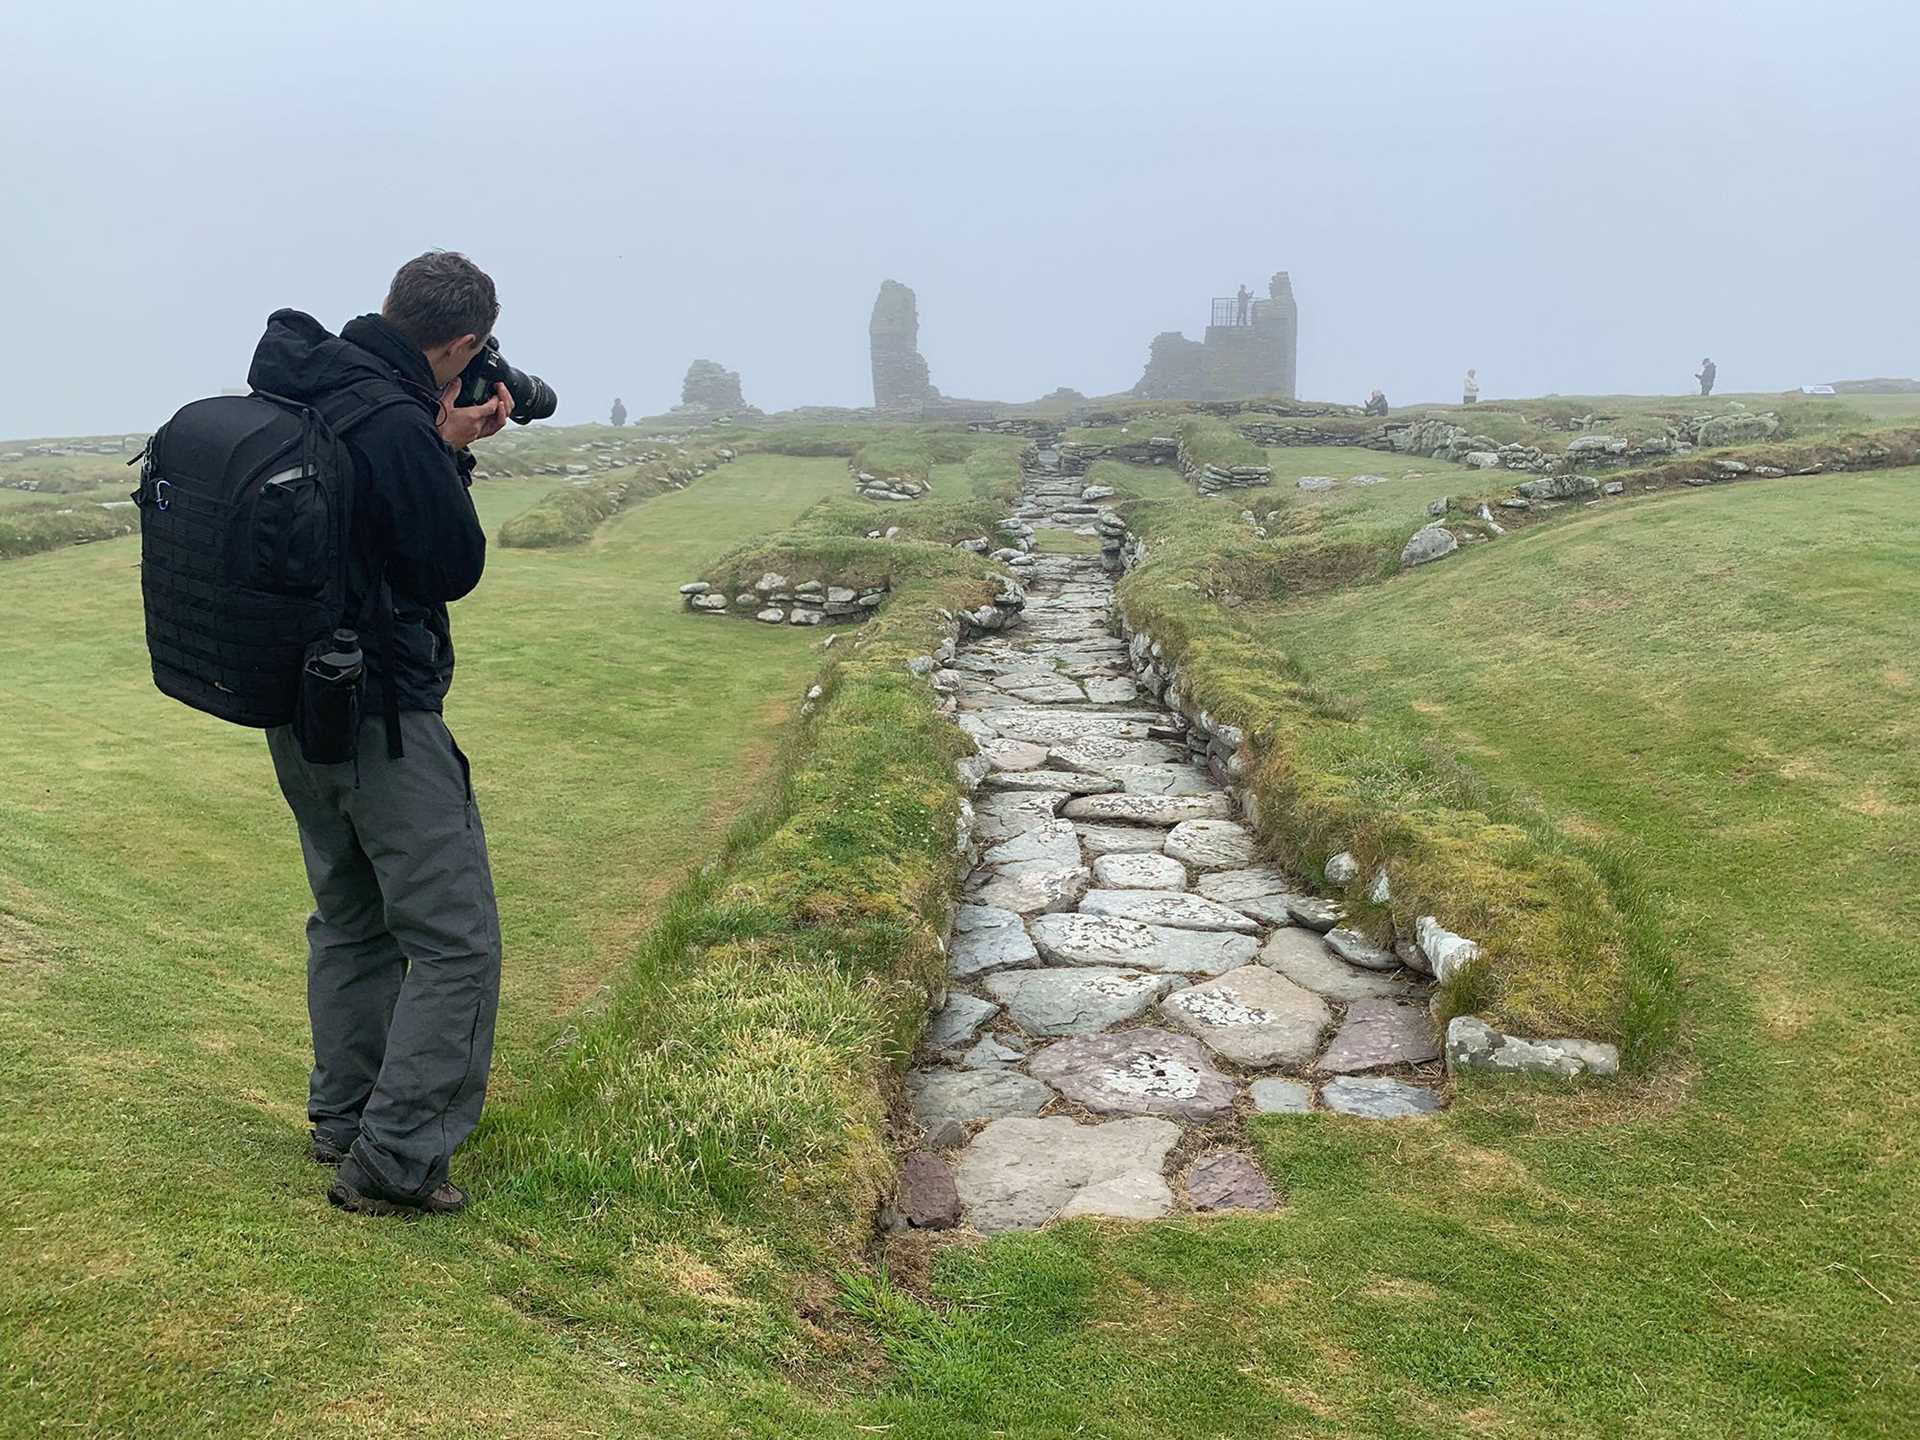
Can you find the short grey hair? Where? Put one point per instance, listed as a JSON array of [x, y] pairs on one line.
[[441, 296]]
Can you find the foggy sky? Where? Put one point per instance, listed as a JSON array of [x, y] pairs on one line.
[[1577, 201]]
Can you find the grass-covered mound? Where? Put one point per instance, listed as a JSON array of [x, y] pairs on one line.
[[27, 530], [572, 511], [1560, 922]]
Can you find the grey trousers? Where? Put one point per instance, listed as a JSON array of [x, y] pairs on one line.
[[403, 963]]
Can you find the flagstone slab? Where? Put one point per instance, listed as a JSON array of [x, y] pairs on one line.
[[1001, 815], [1135, 1195], [1054, 840], [1228, 1180], [1013, 754], [1211, 844], [1231, 886], [1120, 839], [955, 1023], [1378, 1097], [1032, 887], [1119, 690], [1379, 1033], [1272, 1095], [1139, 872], [972, 1095], [1164, 780], [1150, 809], [986, 939], [1017, 1174], [1136, 1072], [1103, 940], [1177, 911], [1074, 782], [1303, 957], [1063, 727], [1076, 1001], [1252, 1017], [1100, 756]]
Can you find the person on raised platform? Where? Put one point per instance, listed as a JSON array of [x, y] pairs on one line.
[[1376, 403], [1243, 307], [1470, 389], [1705, 376], [619, 413]]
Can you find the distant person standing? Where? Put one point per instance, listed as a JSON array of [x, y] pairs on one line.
[[1707, 372], [1376, 403], [619, 416], [1243, 307], [1470, 389]]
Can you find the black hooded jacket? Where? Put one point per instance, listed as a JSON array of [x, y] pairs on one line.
[[412, 512]]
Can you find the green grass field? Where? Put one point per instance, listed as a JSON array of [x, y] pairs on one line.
[[1719, 683]]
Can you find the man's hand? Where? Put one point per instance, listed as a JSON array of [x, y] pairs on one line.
[[460, 426]]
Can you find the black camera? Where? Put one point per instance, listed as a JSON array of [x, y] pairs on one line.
[[533, 398]]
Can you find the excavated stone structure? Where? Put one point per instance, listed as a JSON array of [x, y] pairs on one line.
[[1234, 362], [899, 374], [711, 386]]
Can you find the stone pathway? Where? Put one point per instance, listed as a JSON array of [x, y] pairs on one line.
[[1128, 983]]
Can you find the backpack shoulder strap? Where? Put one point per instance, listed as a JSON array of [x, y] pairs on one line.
[[342, 411]]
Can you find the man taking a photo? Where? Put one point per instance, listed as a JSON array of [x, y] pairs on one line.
[[403, 977]]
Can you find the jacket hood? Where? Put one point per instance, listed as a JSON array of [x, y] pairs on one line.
[[301, 359]]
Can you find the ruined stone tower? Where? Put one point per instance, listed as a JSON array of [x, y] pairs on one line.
[[1236, 361], [899, 374]]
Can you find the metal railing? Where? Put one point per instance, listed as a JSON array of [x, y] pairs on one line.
[[1226, 310]]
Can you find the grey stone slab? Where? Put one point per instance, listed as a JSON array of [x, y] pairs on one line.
[[1032, 887], [1074, 782], [1302, 956], [1055, 691], [1231, 886], [1472, 1044], [1379, 1033], [1228, 1180], [1013, 754], [1134, 1195], [995, 1052], [1252, 1017], [1165, 780], [1120, 839], [1172, 910], [1315, 913], [1055, 841], [1017, 1174], [1076, 1001], [1005, 814], [1136, 1072], [1112, 691], [1139, 872], [1354, 948], [970, 1095], [1149, 809], [955, 1024], [1211, 844], [1105, 757], [1273, 1096], [927, 1197], [1063, 727], [986, 939], [1073, 939], [1377, 1097]]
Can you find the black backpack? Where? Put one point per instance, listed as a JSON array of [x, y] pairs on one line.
[[246, 508]]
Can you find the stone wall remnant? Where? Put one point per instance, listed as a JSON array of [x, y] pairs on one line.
[[711, 386], [900, 380], [1234, 361]]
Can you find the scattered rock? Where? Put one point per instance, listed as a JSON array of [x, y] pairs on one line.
[[1315, 913], [1354, 948], [1474, 1045], [1227, 1180], [927, 1196], [1445, 951], [1341, 868], [1432, 543]]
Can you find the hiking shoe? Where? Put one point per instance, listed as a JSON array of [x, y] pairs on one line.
[[356, 1192], [326, 1150]]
